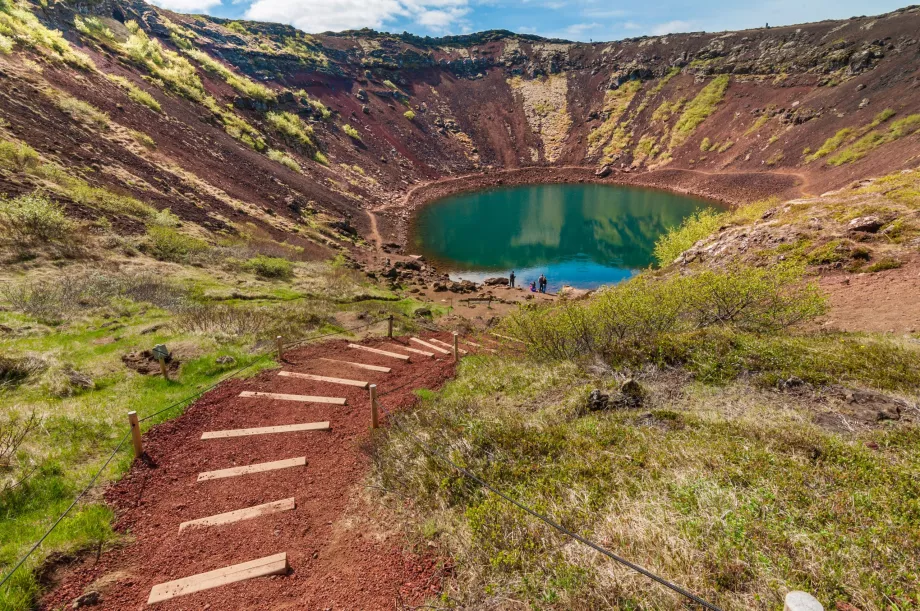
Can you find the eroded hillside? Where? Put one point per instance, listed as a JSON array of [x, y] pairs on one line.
[[233, 122]]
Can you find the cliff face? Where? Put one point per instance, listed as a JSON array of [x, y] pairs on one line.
[[262, 123]]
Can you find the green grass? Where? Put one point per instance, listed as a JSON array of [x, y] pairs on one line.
[[135, 93], [296, 132], [715, 488], [871, 141], [693, 229], [242, 84], [699, 109], [81, 111], [285, 160]]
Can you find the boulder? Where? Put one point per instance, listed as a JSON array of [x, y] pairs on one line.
[[603, 172], [422, 313], [497, 281], [86, 600], [344, 227], [597, 400], [866, 224]]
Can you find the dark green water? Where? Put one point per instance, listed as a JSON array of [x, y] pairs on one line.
[[582, 235]]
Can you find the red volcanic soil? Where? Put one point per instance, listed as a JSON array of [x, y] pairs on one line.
[[340, 557], [884, 302]]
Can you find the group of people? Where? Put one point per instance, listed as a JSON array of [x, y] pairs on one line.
[[537, 285]]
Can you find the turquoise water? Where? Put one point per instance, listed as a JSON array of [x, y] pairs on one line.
[[582, 235]]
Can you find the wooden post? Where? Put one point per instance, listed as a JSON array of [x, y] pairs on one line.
[[390, 327], [280, 348], [456, 348], [163, 369], [136, 434], [374, 423]]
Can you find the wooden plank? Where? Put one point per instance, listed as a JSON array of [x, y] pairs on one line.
[[416, 351], [316, 378], [510, 339], [239, 515], [471, 343], [301, 398], [261, 467], [268, 430], [430, 346], [360, 365], [446, 345], [403, 357], [269, 565]]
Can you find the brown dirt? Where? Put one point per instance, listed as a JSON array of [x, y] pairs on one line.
[[340, 557], [887, 301]]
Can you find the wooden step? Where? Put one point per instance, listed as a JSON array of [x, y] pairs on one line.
[[316, 378], [301, 398], [268, 430], [270, 565], [241, 514], [446, 345], [510, 339], [360, 365], [261, 467], [429, 346], [415, 351], [403, 357]]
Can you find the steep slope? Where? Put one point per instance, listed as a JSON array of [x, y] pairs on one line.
[[373, 114]]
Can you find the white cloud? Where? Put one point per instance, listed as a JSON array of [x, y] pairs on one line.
[[671, 27], [186, 6], [335, 15]]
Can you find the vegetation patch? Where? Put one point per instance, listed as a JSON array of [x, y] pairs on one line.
[[271, 267], [699, 109], [616, 102], [871, 141], [285, 160], [242, 84], [295, 131], [351, 132], [135, 93]]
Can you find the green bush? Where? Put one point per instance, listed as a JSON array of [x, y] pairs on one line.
[[6, 45], [292, 127], [351, 132], [409, 114], [285, 160], [34, 218], [167, 244], [18, 157], [636, 321], [240, 83], [884, 264], [270, 267], [693, 229]]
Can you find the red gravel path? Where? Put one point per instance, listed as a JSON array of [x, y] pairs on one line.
[[336, 561]]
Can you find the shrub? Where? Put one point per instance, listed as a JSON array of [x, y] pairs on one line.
[[135, 93], [285, 160], [224, 320], [409, 114], [637, 321], [167, 244], [693, 229], [351, 132], [725, 146], [6, 45], [699, 109], [240, 83], [18, 157], [324, 113], [319, 157], [34, 218], [270, 267], [292, 127], [705, 145]]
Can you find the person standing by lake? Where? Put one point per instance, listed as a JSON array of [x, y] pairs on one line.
[[511, 278], [542, 283]]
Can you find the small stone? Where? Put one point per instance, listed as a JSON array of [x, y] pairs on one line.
[[802, 601], [86, 600]]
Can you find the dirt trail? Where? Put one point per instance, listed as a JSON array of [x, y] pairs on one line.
[[340, 557], [375, 232]]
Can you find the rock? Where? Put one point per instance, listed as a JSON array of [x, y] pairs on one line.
[[801, 601], [497, 281], [632, 392], [791, 382], [410, 265], [864, 102], [361, 95], [603, 172], [439, 287], [344, 227], [80, 380], [225, 360], [866, 224], [422, 313], [870, 406], [86, 600], [365, 109], [597, 400]]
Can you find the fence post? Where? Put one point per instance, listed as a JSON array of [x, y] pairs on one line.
[[136, 434], [280, 348], [456, 348], [374, 423], [390, 327]]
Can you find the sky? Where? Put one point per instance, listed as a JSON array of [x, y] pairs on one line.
[[581, 20]]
